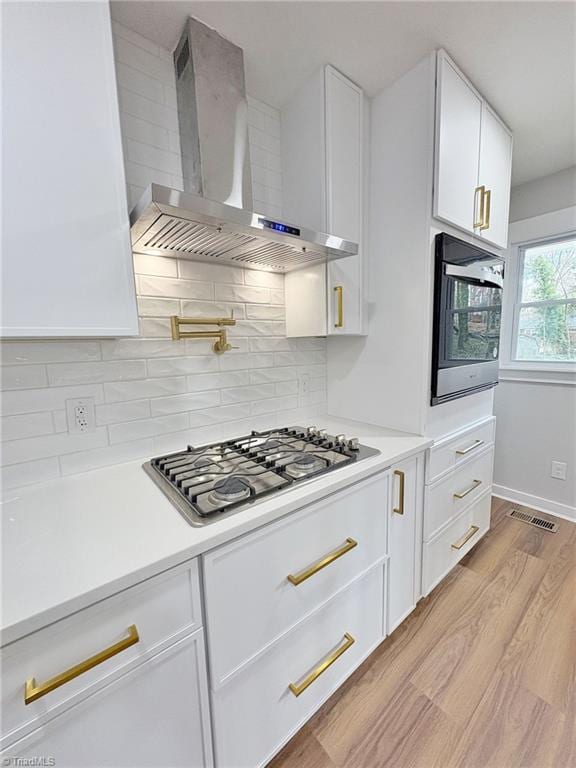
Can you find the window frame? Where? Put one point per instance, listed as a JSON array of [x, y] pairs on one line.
[[513, 284]]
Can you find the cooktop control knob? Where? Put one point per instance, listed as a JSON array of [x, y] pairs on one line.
[[353, 444]]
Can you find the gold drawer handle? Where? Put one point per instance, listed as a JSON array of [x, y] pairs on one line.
[[312, 569], [478, 223], [402, 477], [339, 291], [298, 688], [487, 206], [475, 444], [475, 484], [34, 691], [472, 532]]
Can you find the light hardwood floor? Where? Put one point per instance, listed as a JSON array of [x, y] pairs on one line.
[[481, 675]]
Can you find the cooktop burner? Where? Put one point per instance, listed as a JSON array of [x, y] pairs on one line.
[[207, 482]]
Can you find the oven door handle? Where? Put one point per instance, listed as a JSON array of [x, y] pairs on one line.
[[477, 275]]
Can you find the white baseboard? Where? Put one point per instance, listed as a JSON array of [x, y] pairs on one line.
[[535, 502]]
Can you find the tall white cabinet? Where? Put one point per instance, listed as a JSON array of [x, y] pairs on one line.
[[473, 158], [66, 253], [323, 163]]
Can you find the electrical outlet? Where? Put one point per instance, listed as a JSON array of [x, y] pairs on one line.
[[80, 415], [558, 470], [303, 383]]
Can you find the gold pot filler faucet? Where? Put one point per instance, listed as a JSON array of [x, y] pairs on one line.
[[221, 344]]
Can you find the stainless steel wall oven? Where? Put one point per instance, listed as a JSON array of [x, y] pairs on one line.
[[467, 310]]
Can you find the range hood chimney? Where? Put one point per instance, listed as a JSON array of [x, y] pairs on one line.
[[213, 116], [213, 219]]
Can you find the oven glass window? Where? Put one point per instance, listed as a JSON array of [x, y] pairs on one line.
[[473, 320]]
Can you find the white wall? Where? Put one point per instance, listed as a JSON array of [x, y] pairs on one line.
[[550, 193], [536, 409], [154, 395]]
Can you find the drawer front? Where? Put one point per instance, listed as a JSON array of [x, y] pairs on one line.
[[261, 585], [448, 455], [442, 553], [451, 495], [161, 609], [262, 689]]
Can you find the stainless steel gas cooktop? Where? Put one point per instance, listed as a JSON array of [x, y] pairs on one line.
[[208, 482]]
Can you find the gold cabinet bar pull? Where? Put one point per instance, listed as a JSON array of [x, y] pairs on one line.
[[467, 536], [402, 478], [479, 222], [312, 569], [475, 484], [475, 444], [339, 291], [487, 205], [298, 688], [34, 691]]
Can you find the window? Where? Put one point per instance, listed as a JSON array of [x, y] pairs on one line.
[[545, 311]]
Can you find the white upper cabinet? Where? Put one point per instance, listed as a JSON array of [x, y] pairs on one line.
[[66, 254], [473, 158], [323, 176], [494, 176]]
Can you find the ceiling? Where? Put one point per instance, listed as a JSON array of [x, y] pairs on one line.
[[520, 55]]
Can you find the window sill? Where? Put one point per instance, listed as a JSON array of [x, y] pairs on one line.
[[534, 373]]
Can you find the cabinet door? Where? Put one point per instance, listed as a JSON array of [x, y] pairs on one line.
[[154, 715], [495, 174], [67, 259], [458, 118], [344, 106], [404, 539]]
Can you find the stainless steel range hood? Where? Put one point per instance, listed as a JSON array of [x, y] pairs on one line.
[[212, 219]]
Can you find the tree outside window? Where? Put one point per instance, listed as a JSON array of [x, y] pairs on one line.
[[546, 311]]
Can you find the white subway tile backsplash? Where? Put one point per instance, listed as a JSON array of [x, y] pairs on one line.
[[119, 391], [26, 425], [242, 293], [216, 273], [115, 413], [158, 307], [149, 285], [63, 374], [49, 399], [242, 394], [23, 376], [155, 265], [31, 448], [107, 456], [136, 430], [154, 395], [176, 366], [49, 351], [191, 401]]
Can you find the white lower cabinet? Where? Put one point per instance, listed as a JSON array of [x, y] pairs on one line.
[[263, 705], [405, 539], [156, 715], [450, 545]]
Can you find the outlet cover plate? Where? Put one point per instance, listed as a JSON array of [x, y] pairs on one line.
[[80, 415], [558, 470]]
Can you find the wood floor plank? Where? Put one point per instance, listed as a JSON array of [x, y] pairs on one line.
[[481, 675], [478, 638]]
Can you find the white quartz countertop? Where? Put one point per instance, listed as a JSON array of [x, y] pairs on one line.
[[70, 542]]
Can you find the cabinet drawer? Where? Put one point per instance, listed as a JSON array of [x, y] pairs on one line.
[[448, 497], [161, 609], [442, 553], [261, 690], [450, 453], [262, 584]]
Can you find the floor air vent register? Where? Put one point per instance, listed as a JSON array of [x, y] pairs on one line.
[[539, 522]]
